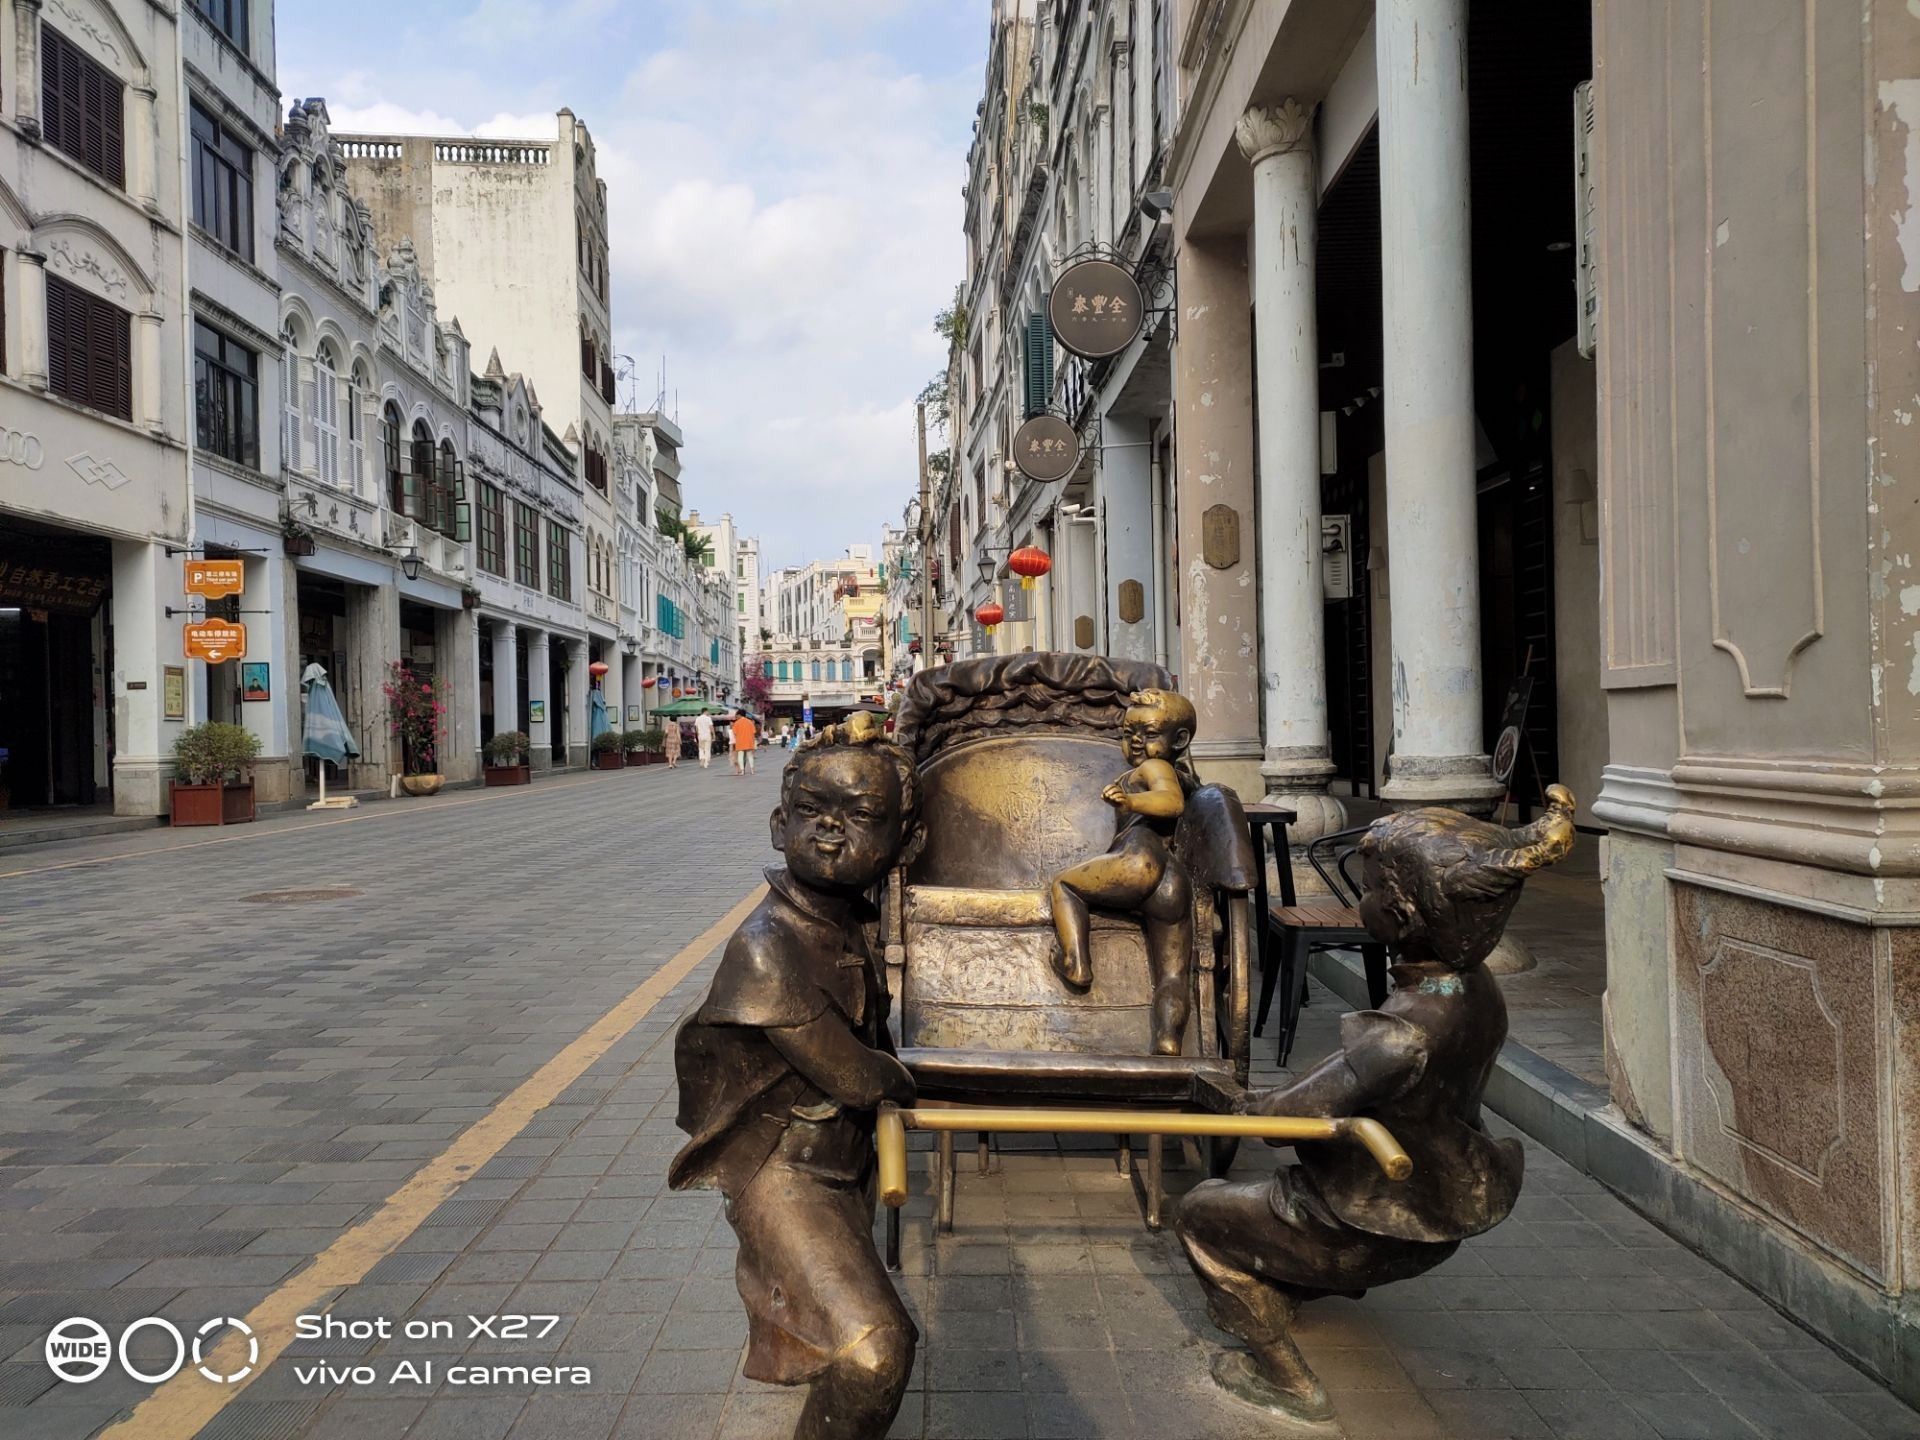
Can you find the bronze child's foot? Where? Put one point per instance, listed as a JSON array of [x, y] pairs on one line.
[[1076, 969], [1244, 1377]]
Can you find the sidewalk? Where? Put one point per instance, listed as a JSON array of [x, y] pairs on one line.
[[1051, 1312]]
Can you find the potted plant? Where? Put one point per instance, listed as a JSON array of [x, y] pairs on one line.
[[213, 784], [609, 750], [414, 717], [507, 759]]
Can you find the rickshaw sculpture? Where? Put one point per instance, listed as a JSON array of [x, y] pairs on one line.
[[1022, 768]]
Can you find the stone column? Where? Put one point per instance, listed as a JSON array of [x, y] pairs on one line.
[[614, 687], [578, 705], [506, 676], [373, 644], [1218, 662], [457, 650], [143, 137], [32, 271], [1426, 266], [267, 639], [1126, 514], [144, 644], [147, 367], [26, 67], [1297, 763], [539, 731]]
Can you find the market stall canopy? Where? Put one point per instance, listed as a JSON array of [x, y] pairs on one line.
[[693, 705]]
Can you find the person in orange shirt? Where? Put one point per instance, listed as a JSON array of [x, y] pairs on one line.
[[743, 738]]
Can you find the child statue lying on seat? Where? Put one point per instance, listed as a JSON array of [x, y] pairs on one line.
[[781, 1070], [1139, 872], [1439, 888]]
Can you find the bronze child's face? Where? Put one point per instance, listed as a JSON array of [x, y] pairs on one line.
[[1146, 733], [841, 826]]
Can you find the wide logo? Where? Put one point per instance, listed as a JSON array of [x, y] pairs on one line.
[[79, 1350]]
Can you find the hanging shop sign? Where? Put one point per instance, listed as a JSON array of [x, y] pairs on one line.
[[216, 579], [214, 641], [40, 586], [1046, 448], [1095, 309]]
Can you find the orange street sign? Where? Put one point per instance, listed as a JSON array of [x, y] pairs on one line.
[[214, 641], [216, 579]]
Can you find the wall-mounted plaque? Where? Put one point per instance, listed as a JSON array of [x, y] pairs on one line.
[[1220, 536], [1132, 600]]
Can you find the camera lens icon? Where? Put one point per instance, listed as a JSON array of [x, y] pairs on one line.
[[78, 1350]]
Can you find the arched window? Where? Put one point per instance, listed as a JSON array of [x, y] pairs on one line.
[[440, 512], [816, 669], [402, 492], [846, 667], [357, 387], [289, 399], [323, 413]]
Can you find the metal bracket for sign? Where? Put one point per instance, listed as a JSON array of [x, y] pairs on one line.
[[202, 614], [1150, 272], [202, 550]]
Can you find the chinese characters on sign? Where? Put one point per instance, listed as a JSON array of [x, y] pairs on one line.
[[214, 641], [216, 579], [42, 587], [1095, 308], [1046, 448]]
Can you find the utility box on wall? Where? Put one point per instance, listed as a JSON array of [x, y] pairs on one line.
[[1336, 557]]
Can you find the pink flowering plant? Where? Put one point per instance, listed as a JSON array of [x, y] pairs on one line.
[[415, 715]]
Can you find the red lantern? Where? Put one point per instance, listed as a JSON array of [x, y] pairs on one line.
[[598, 668], [649, 682], [990, 615], [1029, 562]]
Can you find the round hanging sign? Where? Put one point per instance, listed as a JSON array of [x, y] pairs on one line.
[[1046, 448], [1095, 309]]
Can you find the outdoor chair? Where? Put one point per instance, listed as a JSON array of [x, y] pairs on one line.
[[1329, 924]]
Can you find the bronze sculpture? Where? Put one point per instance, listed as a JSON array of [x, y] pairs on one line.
[[781, 1070], [1137, 873], [1439, 888]]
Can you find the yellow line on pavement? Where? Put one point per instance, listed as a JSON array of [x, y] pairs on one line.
[[371, 814], [181, 1407]]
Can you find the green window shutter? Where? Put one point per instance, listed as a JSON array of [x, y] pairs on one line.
[[1039, 362]]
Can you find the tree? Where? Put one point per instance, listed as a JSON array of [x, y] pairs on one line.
[[755, 687]]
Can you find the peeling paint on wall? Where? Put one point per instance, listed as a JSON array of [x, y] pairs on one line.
[[1902, 97]]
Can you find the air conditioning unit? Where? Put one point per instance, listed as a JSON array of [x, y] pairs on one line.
[[1586, 205], [1336, 557]]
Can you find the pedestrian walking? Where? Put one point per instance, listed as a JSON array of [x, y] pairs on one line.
[[703, 735], [743, 742], [673, 743]]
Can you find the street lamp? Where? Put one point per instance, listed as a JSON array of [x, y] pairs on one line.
[[410, 563]]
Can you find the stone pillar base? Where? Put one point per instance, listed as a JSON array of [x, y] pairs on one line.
[[140, 785], [1460, 782], [272, 780], [1300, 785]]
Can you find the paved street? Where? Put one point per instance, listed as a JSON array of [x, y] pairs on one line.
[[206, 1084]]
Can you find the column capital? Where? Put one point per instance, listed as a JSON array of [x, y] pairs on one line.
[[32, 257], [1264, 130]]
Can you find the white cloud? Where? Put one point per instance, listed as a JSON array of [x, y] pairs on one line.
[[785, 220]]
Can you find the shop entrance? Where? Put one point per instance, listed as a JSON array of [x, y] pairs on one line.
[[56, 638]]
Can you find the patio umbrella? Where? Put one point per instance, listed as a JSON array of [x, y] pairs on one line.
[[598, 724], [325, 734]]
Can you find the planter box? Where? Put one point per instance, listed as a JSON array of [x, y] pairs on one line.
[[509, 774], [644, 757], [210, 804], [609, 760]]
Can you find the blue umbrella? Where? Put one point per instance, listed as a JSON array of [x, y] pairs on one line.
[[599, 724], [325, 734]]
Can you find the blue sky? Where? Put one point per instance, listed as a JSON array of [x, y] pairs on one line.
[[784, 185]]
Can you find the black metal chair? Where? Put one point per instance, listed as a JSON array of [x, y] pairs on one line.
[[1330, 924]]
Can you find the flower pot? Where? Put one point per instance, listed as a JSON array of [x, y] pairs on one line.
[[609, 760], [210, 804], [509, 774], [422, 784]]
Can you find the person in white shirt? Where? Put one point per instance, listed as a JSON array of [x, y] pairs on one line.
[[703, 732]]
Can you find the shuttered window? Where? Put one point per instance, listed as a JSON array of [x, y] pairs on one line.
[[323, 409], [526, 545], [229, 17], [356, 433], [82, 107], [226, 394], [493, 530], [89, 349], [1039, 362], [222, 184], [419, 497], [559, 563]]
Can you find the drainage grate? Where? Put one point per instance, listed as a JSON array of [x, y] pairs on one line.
[[281, 1420], [466, 1211], [300, 897]]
